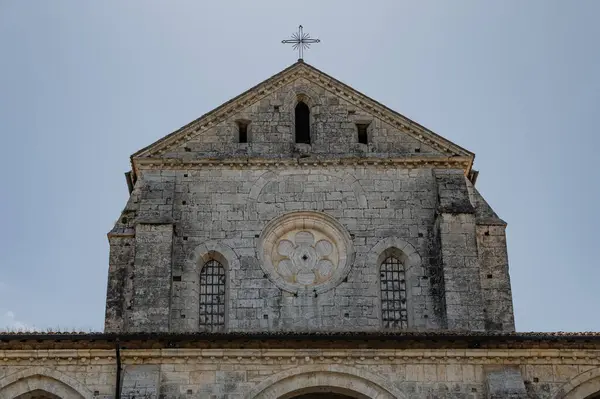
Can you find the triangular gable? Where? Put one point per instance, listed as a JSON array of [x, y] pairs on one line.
[[315, 76]]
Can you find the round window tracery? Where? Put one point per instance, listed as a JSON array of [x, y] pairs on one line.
[[305, 250]]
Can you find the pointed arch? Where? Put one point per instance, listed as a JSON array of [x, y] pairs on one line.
[[44, 379], [339, 378], [207, 271], [582, 386]]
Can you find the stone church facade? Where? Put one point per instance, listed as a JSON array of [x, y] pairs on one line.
[[304, 241]]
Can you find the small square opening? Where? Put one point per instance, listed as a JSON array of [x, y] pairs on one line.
[[363, 138]]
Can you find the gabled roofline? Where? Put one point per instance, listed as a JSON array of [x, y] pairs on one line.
[[319, 77]]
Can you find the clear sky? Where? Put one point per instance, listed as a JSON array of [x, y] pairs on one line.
[[83, 85]]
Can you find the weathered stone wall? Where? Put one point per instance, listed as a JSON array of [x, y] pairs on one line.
[[225, 209], [271, 132], [270, 373]]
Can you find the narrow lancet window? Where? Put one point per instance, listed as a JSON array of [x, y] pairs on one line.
[[212, 297], [393, 294], [302, 123], [242, 131]]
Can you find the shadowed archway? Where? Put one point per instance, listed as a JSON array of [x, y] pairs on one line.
[[322, 395], [38, 394]]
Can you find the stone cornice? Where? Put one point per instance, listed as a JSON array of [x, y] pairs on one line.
[[463, 163], [302, 70], [299, 356]]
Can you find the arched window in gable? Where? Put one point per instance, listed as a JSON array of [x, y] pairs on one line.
[[212, 296], [302, 118], [394, 312]]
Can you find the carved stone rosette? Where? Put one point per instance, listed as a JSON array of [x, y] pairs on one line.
[[305, 251]]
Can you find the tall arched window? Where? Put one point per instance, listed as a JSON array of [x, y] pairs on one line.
[[393, 293], [302, 123], [212, 296]]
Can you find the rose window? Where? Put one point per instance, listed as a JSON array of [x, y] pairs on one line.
[[303, 250]]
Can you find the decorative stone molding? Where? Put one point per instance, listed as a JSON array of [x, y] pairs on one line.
[[141, 164], [305, 251], [299, 356]]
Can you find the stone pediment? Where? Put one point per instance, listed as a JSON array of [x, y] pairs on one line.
[[337, 110]]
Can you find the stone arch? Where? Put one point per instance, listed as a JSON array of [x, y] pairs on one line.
[[269, 176], [211, 250], [302, 92], [395, 245], [43, 379], [404, 251], [340, 378], [581, 386]]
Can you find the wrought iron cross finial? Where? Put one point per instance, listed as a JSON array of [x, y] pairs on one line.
[[300, 41]]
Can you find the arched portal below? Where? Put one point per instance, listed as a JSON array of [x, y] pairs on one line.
[[322, 396], [38, 394], [323, 392]]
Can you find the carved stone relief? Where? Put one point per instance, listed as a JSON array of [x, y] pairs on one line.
[[305, 250]]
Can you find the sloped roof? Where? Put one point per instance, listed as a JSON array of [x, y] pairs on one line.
[[294, 339]]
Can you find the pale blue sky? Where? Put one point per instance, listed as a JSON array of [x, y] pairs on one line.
[[83, 85]]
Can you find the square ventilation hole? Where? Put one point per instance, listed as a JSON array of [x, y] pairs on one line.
[[276, 108], [417, 150], [489, 276], [176, 278], [185, 175]]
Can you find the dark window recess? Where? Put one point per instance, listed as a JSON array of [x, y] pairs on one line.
[[393, 294], [362, 133], [176, 278], [243, 132], [212, 296], [276, 108], [302, 123]]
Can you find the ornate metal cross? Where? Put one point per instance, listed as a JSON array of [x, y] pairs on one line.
[[301, 41]]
